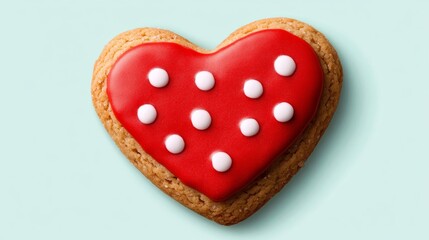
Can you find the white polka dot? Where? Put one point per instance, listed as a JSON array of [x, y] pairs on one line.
[[249, 127], [174, 143], [221, 161], [146, 113], [158, 77], [204, 80], [253, 88], [284, 65], [283, 112], [201, 119]]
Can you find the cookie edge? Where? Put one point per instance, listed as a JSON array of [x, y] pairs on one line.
[[253, 197]]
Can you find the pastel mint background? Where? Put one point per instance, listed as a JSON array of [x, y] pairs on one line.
[[62, 177]]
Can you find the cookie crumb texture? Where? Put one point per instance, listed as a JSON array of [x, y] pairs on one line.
[[254, 196]]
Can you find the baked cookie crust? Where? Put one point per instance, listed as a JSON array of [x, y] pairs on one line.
[[255, 195]]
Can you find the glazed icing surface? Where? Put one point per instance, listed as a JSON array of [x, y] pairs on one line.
[[163, 75]]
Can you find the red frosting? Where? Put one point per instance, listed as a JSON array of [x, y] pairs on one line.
[[251, 57]]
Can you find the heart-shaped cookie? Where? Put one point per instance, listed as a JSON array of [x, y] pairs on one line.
[[220, 131]]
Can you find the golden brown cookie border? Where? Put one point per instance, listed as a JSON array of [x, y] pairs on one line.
[[254, 196]]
